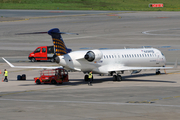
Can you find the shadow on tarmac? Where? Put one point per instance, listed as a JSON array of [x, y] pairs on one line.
[[75, 82]]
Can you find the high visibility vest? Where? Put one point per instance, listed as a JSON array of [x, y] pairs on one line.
[[5, 73], [90, 75]]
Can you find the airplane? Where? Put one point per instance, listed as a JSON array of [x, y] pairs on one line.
[[102, 61]]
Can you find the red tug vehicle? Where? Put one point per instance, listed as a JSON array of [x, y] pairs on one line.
[[52, 76]]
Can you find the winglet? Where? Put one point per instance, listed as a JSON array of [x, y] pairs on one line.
[[8, 62]]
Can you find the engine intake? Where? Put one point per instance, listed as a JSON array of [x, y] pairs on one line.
[[93, 55]]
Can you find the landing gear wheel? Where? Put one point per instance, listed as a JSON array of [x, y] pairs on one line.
[[158, 72], [86, 78], [119, 78], [114, 77]]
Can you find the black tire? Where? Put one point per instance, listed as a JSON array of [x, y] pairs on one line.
[[53, 82], [114, 78], [157, 73], [86, 78], [38, 82], [33, 59], [119, 78]]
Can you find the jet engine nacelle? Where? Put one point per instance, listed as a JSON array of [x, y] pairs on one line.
[[93, 55]]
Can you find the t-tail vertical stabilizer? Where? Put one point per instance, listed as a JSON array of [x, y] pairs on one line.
[[59, 45]]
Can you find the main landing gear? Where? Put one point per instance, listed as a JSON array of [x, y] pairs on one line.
[[117, 77], [158, 72]]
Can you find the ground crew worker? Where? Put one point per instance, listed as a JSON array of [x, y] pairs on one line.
[[90, 78], [6, 75]]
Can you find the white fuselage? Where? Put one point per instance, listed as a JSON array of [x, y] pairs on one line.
[[113, 59]]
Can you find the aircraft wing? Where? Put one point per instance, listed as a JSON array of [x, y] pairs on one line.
[[43, 67]]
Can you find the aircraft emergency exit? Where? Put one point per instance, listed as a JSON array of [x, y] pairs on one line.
[[103, 61]]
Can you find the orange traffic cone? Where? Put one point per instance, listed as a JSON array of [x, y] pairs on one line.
[[0, 71]]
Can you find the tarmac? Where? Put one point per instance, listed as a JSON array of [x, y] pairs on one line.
[[142, 96]]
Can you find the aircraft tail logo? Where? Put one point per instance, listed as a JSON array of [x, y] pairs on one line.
[[59, 45]]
